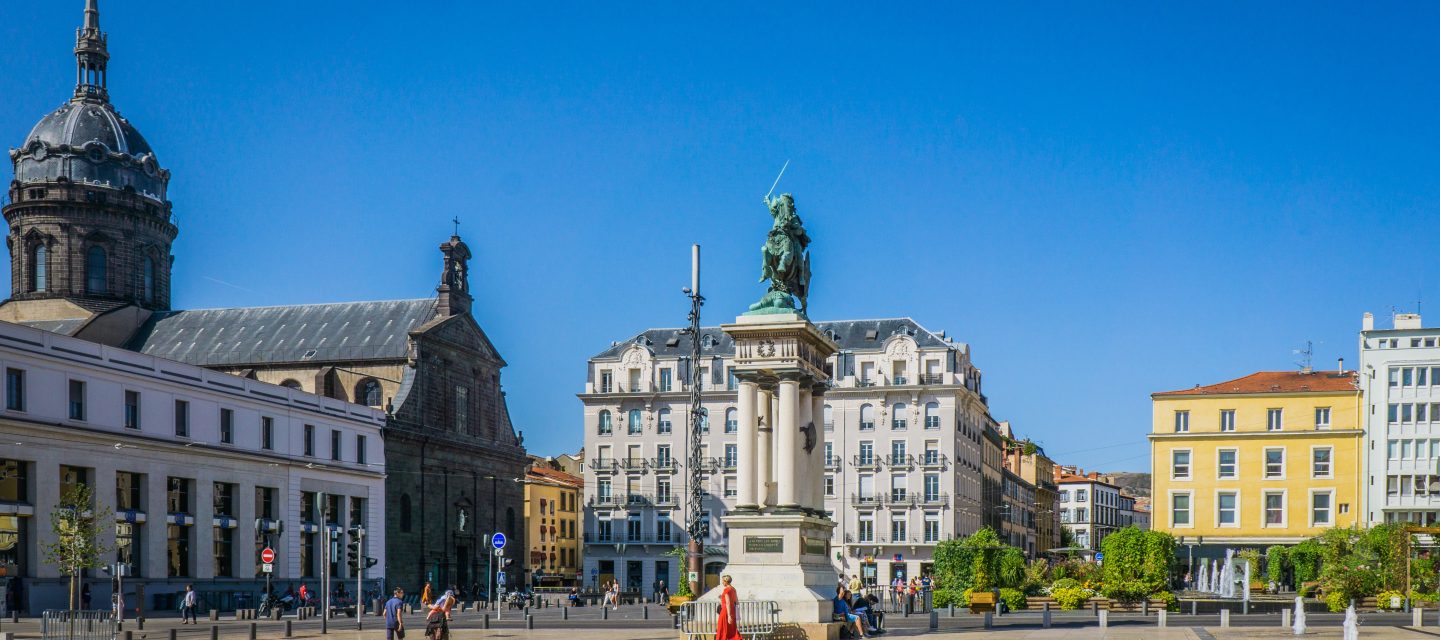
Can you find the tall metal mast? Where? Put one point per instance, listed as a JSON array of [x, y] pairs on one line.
[[695, 506]]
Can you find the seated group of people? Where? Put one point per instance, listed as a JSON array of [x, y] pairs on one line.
[[860, 615]]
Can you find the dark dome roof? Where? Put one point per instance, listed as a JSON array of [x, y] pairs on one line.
[[86, 141]]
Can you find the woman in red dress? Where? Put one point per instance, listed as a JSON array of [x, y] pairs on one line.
[[728, 626]]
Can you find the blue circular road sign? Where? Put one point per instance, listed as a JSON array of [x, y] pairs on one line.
[[498, 540]]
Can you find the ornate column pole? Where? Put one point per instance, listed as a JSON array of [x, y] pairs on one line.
[[765, 448], [787, 449], [746, 471], [817, 455]]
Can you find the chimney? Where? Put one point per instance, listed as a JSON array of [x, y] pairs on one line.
[[454, 289], [1340, 368], [1407, 321], [1367, 323]]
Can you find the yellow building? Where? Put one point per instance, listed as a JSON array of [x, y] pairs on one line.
[[552, 525], [1270, 458]]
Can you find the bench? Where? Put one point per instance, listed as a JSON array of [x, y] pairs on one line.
[[757, 619]]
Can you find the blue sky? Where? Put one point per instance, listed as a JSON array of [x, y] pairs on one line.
[[1104, 200]]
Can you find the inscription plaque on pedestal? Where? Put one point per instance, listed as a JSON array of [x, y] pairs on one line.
[[764, 544]]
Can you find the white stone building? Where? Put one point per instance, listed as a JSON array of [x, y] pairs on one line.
[[1399, 368], [201, 469], [1090, 507], [903, 434]]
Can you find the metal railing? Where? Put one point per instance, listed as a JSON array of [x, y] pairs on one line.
[[867, 426], [934, 498], [861, 462], [899, 381], [876, 500], [829, 426], [603, 465], [755, 618], [863, 382], [663, 464], [936, 460], [832, 463], [904, 461], [57, 624], [932, 378], [633, 464]]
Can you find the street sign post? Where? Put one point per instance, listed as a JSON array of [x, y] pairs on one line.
[[267, 556], [268, 568], [498, 541]]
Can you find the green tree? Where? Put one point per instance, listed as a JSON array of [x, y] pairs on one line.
[[1304, 559], [75, 528], [1137, 563], [1276, 561]]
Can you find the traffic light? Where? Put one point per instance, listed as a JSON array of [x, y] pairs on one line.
[[352, 553]]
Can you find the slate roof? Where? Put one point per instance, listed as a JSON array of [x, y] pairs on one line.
[[66, 327], [298, 333], [1275, 382], [850, 335]]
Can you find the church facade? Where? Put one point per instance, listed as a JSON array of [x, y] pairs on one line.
[[89, 234]]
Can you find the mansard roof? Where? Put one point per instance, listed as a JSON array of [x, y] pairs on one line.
[[849, 335], [298, 333]]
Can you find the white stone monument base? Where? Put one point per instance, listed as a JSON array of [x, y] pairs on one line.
[[769, 561]]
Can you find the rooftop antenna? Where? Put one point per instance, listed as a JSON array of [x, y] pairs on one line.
[[1307, 355]]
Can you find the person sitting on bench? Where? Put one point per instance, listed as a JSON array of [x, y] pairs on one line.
[[843, 614]]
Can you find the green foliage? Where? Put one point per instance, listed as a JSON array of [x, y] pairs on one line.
[[1304, 559], [1013, 598], [954, 564], [979, 561], [1011, 568], [1137, 563], [1275, 563], [1251, 556], [1172, 602], [682, 590], [75, 526], [1386, 600], [947, 597], [1348, 568], [1336, 601], [1035, 575], [1067, 538], [1065, 583], [1422, 574], [1424, 597], [1070, 597], [1385, 545]]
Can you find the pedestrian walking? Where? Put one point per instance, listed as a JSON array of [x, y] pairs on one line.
[[855, 584], [727, 624], [187, 605], [425, 595], [85, 596], [395, 615]]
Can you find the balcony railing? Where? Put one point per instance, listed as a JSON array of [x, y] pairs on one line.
[[829, 426], [899, 497], [933, 460], [663, 465], [899, 381], [932, 422], [932, 499], [604, 465], [602, 500], [932, 378], [633, 464], [665, 499], [864, 382], [864, 462], [728, 464], [903, 461], [832, 463], [874, 500], [867, 426]]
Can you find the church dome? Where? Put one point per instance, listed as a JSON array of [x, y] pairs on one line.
[[87, 141]]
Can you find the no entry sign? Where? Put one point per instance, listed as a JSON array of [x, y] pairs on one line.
[[267, 556]]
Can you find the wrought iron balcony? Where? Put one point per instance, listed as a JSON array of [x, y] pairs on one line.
[[829, 426], [663, 465], [867, 426], [727, 464], [602, 500], [900, 497], [638, 500], [832, 463], [604, 465], [933, 460], [864, 462], [932, 378], [934, 499], [665, 499], [633, 464], [864, 382], [904, 461], [874, 500]]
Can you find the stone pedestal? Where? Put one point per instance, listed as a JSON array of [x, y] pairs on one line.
[[783, 557]]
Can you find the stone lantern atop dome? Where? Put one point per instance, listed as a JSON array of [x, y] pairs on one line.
[[89, 219]]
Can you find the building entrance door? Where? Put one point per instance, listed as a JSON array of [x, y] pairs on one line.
[[634, 575]]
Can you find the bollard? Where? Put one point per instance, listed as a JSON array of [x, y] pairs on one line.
[[214, 615], [172, 633], [934, 619], [128, 636], [604, 613], [1045, 617], [1145, 607], [645, 612], [288, 629], [1162, 618], [565, 613], [1104, 618], [675, 620], [1284, 617], [1095, 608], [952, 610], [486, 624], [1245, 608], [252, 631], [1194, 607], [214, 632], [140, 624], [529, 621], [989, 620], [1224, 617], [1417, 617]]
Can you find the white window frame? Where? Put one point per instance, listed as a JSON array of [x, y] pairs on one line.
[[1182, 421], [1235, 471], [1265, 463], [1170, 509], [1227, 427], [1275, 425], [1284, 508], [1236, 511], [1322, 426], [1331, 473], [1310, 508], [1189, 465]]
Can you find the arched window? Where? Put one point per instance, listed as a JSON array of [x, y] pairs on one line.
[[96, 271], [867, 417], [147, 279], [732, 420], [664, 426], [405, 512], [897, 416], [932, 415], [368, 392], [39, 267], [635, 426], [291, 383], [605, 426]]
